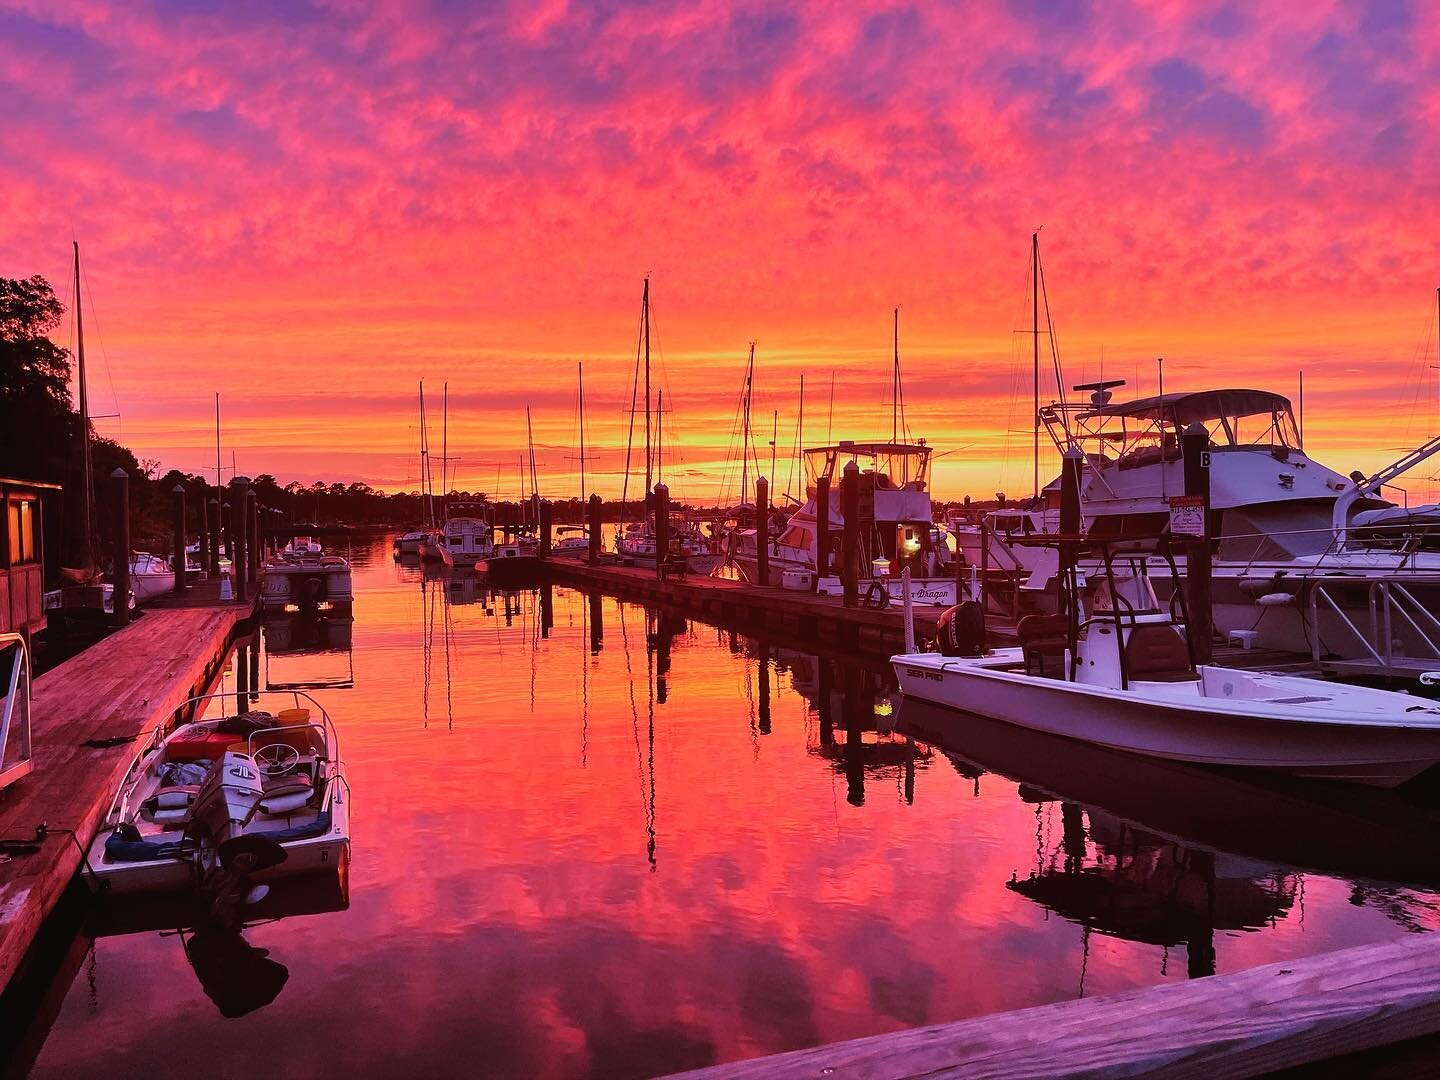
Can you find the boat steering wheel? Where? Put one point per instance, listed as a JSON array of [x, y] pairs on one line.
[[276, 759]]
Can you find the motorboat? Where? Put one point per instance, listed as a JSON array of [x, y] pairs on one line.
[[270, 785], [150, 576], [896, 531], [1127, 680], [302, 577], [408, 543], [511, 562], [469, 533], [1306, 560], [636, 545], [571, 542]]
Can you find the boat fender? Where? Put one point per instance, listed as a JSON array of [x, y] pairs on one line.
[[1276, 599]]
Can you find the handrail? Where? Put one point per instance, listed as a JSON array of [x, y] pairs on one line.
[[17, 697]]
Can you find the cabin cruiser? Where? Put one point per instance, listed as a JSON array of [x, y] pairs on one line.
[[571, 542], [635, 544], [408, 543], [1305, 560], [303, 577], [268, 785], [1123, 675], [469, 533], [896, 531]]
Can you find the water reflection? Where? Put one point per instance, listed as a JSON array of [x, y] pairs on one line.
[[601, 839]]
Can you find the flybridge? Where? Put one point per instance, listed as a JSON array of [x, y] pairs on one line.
[[1147, 430]]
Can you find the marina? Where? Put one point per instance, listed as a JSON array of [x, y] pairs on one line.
[[619, 541]]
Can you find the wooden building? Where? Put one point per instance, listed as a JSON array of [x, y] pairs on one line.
[[22, 546]]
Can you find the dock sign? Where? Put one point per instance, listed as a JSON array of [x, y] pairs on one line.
[[1187, 515]]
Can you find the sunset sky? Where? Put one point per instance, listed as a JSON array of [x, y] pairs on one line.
[[309, 208]]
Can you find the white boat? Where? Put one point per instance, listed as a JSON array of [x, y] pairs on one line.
[[302, 577], [190, 794], [896, 531], [408, 543], [150, 576], [1127, 681], [1306, 560], [571, 542], [469, 533]]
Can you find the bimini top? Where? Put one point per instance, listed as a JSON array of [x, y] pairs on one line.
[[1197, 407]]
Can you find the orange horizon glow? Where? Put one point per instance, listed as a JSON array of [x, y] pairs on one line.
[[308, 209]]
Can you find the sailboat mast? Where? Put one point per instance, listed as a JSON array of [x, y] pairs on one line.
[[745, 427], [580, 368], [219, 485], [425, 486], [530, 448], [1035, 333], [774, 440], [444, 449], [660, 438], [895, 385], [87, 464], [645, 314]]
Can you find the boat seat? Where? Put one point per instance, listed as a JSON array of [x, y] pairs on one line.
[[285, 794], [1042, 638], [1155, 653]]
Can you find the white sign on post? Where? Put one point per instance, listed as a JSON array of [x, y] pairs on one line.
[[1187, 515]]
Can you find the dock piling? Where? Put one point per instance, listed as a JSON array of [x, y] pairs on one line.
[[822, 528], [762, 531], [120, 596], [593, 531], [181, 584], [909, 610], [662, 529], [1195, 450], [213, 513], [203, 549], [849, 545], [238, 529], [545, 526], [254, 546]]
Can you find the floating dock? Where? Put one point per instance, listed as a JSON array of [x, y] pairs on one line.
[[816, 618], [87, 719]]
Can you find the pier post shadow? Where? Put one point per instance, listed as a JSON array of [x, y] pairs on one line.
[[763, 674], [597, 623]]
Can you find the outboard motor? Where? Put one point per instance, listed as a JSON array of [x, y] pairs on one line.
[[961, 630]]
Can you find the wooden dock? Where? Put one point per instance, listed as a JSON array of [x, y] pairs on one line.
[[816, 618], [87, 716], [1353, 1010]]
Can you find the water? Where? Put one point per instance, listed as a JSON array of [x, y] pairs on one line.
[[665, 853]]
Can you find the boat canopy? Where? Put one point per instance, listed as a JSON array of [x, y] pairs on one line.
[[901, 464], [1147, 429]]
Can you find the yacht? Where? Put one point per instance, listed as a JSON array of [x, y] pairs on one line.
[[303, 578], [469, 533], [1306, 560], [896, 531]]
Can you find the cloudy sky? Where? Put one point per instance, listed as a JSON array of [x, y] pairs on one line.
[[310, 208]]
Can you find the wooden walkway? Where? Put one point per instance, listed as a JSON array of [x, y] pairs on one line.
[[109, 694], [1334, 1008], [797, 613]]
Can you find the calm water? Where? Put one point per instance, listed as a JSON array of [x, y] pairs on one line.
[[622, 844]]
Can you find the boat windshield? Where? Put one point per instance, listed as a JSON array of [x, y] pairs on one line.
[[1147, 430], [895, 465]]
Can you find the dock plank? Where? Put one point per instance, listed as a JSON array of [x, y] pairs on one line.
[[119, 688], [1271, 1017]]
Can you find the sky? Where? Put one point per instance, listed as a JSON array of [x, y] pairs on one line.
[[307, 208]]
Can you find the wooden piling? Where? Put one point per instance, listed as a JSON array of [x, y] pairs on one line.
[[593, 528], [850, 539], [120, 505], [545, 527], [227, 515], [662, 529], [1195, 449], [762, 531], [822, 528], [763, 697], [178, 560], [202, 552], [240, 488], [254, 546], [214, 514]]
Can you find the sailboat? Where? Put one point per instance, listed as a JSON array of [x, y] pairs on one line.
[[432, 543], [573, 541], [636, 543]]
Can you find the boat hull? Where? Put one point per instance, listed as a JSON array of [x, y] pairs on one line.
[[510, 569], [1174, 728]]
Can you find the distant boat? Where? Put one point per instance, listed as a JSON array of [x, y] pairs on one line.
[[303, 578]]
